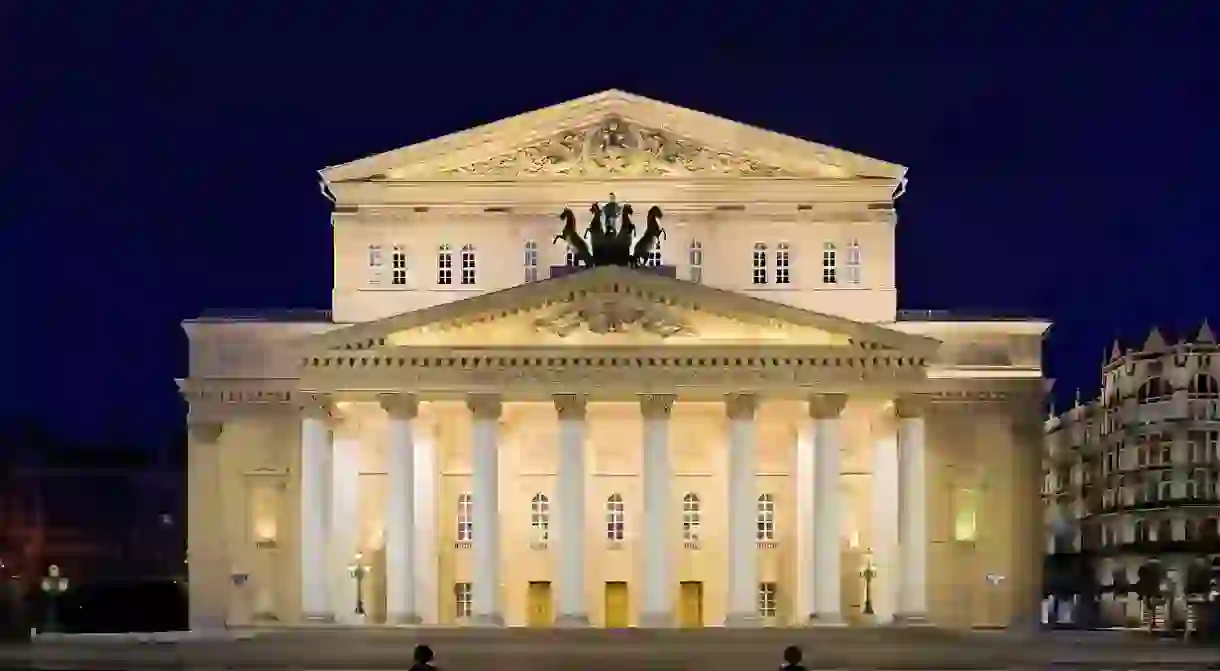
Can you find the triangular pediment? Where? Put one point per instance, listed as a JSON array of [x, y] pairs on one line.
[[614, 306], [612, 134]]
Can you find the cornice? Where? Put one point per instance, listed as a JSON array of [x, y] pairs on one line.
[[678, 213]]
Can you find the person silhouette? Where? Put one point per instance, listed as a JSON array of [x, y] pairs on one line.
[[792, 659], [423, 658]]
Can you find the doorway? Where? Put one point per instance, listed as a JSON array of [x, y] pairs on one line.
[[690, 605], [538, 601], [617, 613]]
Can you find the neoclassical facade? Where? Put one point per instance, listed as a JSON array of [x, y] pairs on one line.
[[733, 434]]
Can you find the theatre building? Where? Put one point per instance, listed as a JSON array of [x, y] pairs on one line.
[[727, 424]]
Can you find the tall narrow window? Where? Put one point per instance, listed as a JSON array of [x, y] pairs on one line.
[[653, 259], [690, 517], [468, 268], [376, 264], [465, 519], [766, 518], [696, 261], [760, 263], [540, 517], [531, 261], [398, 266], [851, 269], [444, 265], [830, 264], [462, 599], [766, 599], [782, 272], [616, 518]]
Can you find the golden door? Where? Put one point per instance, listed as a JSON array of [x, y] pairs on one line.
[[617, 613], [690, 605], [538, 602]]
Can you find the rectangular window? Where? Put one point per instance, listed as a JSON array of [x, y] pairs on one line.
[[465, 518], [760, 263], [851, 269], [782, 272], [531, 261], [830, 264], [462, 598], [376, 264], [696, 261], [766, 518], [766, 599], [398, 266], [444, 265], [468, 268]]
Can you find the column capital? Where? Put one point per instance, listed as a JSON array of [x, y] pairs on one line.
[[826, 406], [207, 432], [400, 406], [571, 406], [315, 406], [656, 406], [484, 406], [740, 405], [912, 406]]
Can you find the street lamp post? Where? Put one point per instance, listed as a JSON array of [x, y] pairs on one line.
[[869, 574], [53, 585], [358, 570]]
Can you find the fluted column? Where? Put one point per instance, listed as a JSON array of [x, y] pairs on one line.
[[885, 507], [399, 513], [485, 590], [743, 493], [570, 511], [912, 511], [315, 516], [207, 560], [654, 547], [825, 412]]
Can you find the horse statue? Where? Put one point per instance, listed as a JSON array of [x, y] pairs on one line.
[[652, 233], [570, 235], [620, 247]]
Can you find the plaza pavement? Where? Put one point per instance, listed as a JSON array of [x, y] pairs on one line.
[[597, 649]]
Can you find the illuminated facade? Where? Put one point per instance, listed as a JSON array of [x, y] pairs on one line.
[[726, 436]]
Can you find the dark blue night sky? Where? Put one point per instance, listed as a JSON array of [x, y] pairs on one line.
[[161, 158]]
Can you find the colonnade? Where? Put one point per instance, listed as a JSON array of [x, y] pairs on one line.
[[899, 537]]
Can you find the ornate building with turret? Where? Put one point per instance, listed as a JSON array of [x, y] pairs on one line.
[[1131, 478]]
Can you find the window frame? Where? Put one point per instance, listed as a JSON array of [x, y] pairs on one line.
[[692, 517], [616, 518], [444, 265], [694, 253], [764, 518], [399, 272], [830, 263], [469, 266], [540, 518], [464, 532], [759, 265], [530, 249], [783, 264]]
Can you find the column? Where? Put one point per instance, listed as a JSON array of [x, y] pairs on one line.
[[343, 520], [885, 507], [570, 511], [485, 428], [207, 561], [913, 511], [743, 495], [315, 488], [427, 560], [657, 609], [399, 514], [825, 412]]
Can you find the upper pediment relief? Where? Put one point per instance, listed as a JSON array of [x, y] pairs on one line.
[[613, 135]]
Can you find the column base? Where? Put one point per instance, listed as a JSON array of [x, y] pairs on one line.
[[911, 620], [487, 620], [318, 618], [572, 621], [826, 620], [404, 618], [743, 620], [656, 620]]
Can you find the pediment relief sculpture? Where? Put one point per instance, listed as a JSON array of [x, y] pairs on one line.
[[615, 147], [613, 314]]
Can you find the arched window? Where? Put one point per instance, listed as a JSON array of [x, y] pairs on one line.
[[465, 518], [696, 261], [444, 265], [1204, 386], [1154, 389], [616, 518], [766, 518], [830, 264], [468, 265], [540, 517], [531, 261], [690, 517], [760, 263], [783, 267]]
